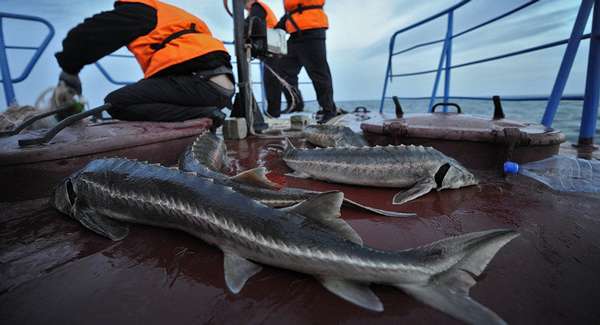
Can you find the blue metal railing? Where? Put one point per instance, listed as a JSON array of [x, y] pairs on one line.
[[7, 80], [591, 97]]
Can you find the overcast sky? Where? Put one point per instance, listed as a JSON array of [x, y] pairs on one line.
[[357, 45]]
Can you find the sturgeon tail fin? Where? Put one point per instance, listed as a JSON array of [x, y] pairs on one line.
[[288, 148], [209, 150], [448, 291]]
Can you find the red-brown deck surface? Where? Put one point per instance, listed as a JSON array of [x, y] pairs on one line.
[[32, 172], [54, 271]]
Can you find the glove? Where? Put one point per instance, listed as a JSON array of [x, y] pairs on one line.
[[71, 80]]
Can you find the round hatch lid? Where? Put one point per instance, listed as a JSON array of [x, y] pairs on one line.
[[462, 127]]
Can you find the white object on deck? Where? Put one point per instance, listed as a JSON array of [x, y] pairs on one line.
[[235, 129], [298, 122]]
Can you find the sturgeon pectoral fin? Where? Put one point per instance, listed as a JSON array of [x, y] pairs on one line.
[[102, 225], [357, 293], [256, 177], [237, 271], [324, 209], [298, 174], [421, 188]]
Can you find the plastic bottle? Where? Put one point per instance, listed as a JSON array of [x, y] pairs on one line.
[[561, 173]]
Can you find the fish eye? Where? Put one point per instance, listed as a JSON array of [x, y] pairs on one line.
[[71, 195]]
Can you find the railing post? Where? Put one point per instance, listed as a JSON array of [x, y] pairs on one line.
[[592, 86], [9, 91], [440, 65], [263, 92], [567, 62], [388, 72], [449, 36]]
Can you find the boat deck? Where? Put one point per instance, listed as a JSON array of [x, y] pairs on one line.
[[54, 271]]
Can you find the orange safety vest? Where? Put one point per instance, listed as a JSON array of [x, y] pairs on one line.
[[271, 18], [305, 14], [178, 37]]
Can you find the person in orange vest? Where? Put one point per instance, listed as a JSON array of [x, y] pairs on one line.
[[261, 16], [187, 71], [307, 23]]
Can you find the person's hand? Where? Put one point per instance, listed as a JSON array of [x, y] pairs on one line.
[[71, 80]]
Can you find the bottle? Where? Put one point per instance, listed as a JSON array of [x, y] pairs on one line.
[[561, 173]]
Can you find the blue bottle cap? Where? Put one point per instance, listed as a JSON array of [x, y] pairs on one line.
[[511, 167]]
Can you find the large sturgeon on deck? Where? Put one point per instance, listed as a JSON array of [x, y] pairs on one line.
[[419, 169], [308, 238], [207, 156]]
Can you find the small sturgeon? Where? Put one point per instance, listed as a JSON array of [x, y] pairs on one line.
[[325, 135], [308, 238], [420, 169], [207, 156]]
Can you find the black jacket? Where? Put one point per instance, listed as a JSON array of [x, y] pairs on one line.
[[108, 31]]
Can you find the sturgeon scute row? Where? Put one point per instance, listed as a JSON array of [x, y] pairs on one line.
[[325, 135], [310, 237]]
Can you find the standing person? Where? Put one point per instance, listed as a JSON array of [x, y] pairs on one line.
[[259, 10], [307, 23], [187, 72]]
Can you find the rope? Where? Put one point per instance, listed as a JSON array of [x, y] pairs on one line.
[[287, 86]]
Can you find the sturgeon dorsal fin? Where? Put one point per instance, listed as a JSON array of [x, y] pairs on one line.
[[256, 177], [357, 293], [237, 271], [325, 209]]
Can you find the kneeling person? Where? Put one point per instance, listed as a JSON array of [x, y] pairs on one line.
[[187, 72]]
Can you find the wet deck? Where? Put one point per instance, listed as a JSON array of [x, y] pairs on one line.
[[54, 271]]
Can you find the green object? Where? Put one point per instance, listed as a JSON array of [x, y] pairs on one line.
[[76, 107]]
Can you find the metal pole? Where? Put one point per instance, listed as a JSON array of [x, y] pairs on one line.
[[9, 91], [388, 72], [263, 92], [567, 62], [592, 86], [439, 72], [244, 83], [385, 84], [448, 59]]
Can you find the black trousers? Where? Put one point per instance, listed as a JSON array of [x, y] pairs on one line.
[[308, 50], [273, 89], [168, 99]]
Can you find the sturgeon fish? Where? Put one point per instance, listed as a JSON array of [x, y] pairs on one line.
[[310, 237], [419, 169], [325, 135], [207, 156]]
